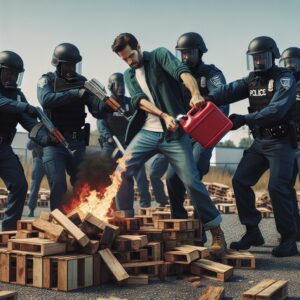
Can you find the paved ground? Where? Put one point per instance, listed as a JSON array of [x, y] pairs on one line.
[[173, 289]]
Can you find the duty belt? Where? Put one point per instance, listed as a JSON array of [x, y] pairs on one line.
[[276, 132], [74, 135]]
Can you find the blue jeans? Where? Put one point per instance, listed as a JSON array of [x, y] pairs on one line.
[[12, 173], [37, 175], [57, 162], [278, 156], [158, 168], [179, 153], [176, 188]]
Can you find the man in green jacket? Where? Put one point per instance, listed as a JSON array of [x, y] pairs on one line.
[[153, 83]]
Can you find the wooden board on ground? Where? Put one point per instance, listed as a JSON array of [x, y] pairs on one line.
[[213, 293], [113, 264], [8, 295], [137, 279], [36, 246], [64, 221], [239, 259], [211, 270], [267, 289]]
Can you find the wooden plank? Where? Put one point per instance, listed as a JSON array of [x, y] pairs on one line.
[[182, 257], [154, 250], [91, 248], [251, 293], [137, 279], [239, 259], [36, 246], [137, 241], [5, 236], [24, 224], [25, 234], [8, 295], [203, 251], [278, 290], [113, 264], [213, 293], [21, 269], [211, 270], [37, 272], [44, 215], [63, 220]]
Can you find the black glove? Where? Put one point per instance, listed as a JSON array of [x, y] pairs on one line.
[[237, 121], [31, 111]]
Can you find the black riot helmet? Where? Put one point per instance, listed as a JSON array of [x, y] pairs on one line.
[[290, 59], [190, 48], [261, 54], [11, 69], [116, 84], [67, 60]]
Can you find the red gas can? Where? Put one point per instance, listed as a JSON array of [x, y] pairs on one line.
[[207, 125]]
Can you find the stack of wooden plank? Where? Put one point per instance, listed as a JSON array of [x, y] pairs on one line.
[[64, 253], [264, 204]]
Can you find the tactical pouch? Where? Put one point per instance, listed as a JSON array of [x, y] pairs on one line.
[[87, 130]]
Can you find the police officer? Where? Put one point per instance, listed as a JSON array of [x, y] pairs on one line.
[[114, 124], [190, 48], [290, 59], [37, 175], [271, 93], [63, 98], [14, 109]]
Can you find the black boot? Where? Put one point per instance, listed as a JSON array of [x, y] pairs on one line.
[[287, 247], [31, 213], [252, 237]]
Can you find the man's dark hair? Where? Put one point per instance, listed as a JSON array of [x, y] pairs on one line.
[[123, 40]]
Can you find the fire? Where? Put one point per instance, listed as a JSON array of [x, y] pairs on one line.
[[99, 202]]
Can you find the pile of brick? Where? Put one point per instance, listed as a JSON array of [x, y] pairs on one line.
[[62, 252]]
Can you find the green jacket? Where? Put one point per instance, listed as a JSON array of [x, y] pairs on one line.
[[162, 70]]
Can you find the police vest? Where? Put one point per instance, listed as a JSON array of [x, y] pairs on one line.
[[261, 90], [70, 117], [296, 106], [9, 120], [201, 75], [117, 124]]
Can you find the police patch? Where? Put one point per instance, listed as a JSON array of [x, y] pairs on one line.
[[216, 80], [285, 82], [42, 82]]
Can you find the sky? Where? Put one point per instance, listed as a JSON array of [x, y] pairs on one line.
[[33, 28]]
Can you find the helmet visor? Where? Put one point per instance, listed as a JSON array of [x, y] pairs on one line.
[[11, 78], [291, 63], [189, 57], [70, 70], [259, 62]]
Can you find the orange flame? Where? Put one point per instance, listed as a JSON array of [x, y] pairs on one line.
[[99, 202]]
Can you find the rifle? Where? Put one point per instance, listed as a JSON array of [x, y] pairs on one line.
[[98, 89], [53, 130]]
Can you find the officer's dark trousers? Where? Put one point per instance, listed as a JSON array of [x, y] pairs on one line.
[[57, 162], [12, 173], [278, 156], [295, 202], [176, 188], [139, 176], [37, 175]]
